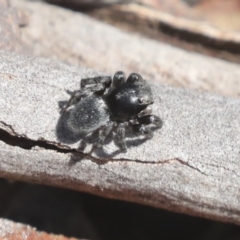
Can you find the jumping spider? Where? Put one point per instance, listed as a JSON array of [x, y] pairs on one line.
[[104, 104]]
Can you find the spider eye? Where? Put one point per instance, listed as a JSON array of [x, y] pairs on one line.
[[140, 100]]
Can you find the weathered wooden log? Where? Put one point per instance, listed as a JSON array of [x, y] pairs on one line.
[[191, 165]]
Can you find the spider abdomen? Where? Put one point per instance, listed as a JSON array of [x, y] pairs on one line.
[[88, 115]]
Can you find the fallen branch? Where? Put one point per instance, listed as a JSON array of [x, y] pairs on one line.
[[191, 165]]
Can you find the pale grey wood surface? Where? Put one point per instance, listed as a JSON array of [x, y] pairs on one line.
[[191, 165], [75, 38]]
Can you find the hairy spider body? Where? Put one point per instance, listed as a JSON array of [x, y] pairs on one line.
[[88, 115], [107, 104]]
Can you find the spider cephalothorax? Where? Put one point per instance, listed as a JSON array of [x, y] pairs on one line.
[[107, 104]]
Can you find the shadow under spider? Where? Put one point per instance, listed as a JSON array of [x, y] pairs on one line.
[[66, 135]]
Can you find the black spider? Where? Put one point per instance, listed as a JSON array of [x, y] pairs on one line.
[[107, 105]]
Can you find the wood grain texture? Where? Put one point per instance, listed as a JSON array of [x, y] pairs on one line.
[[191, 165], [19, 231], [75, 38]]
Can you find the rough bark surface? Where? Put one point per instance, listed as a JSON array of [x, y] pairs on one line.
[[11, 20], [191, 165], [78, 39], [17, 231]]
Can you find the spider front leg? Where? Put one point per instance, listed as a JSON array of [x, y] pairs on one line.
[[150, 119], [147, 120], [118, 79], [145, 112], [143, 129]]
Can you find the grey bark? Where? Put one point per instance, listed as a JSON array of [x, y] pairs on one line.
[[75, 38], [191, 165]]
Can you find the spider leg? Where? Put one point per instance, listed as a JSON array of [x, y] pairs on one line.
[[76, 97], [103, 81], [145, 112], [103, 132], [88, 86], [150, 119], [147, 120], [120, 134], [118, 79], [143, 129]]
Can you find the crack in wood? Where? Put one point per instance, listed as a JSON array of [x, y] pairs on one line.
[[14, 139]]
